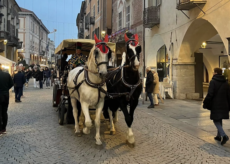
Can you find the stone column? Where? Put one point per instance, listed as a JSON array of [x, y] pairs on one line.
[[184, 81]]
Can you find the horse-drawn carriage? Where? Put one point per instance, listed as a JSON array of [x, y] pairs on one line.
[[86, 87], [60, 90]]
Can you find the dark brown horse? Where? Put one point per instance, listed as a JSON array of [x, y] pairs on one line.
[[127, 80]]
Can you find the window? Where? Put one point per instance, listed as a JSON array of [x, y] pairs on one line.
[[154, 2], [120, 21], [128, 16], [162, 63], [94, 10], [98, 6], [93, 35]]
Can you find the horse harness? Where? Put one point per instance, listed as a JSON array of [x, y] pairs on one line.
[[132, 87], [88, 82]]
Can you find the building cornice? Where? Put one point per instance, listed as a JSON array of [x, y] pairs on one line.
[[36, 18]]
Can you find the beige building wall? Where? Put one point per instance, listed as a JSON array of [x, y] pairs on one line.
[[183, 37]]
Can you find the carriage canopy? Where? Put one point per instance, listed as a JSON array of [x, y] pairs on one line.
[[68, 46]]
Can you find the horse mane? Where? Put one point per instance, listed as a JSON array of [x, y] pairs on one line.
[[91, 58]]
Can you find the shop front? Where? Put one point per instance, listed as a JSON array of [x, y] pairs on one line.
[[7, 65]]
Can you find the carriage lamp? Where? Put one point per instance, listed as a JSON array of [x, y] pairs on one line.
[[103, 34], [204, 44], [5, 41]]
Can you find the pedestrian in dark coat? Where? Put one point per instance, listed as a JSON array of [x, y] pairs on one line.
[[6, 83], [218, 102], [149, 86], [40, 78], [35, 74], [47, 75], [19, 81]]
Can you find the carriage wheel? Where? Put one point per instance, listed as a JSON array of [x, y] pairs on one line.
[[54, 95], [62, 111]]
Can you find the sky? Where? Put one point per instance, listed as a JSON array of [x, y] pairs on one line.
[[56, 14]]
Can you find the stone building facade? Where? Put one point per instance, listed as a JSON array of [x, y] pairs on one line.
[[97, 18], [127, 15], [9, 24], [194, 39], [34, 35]]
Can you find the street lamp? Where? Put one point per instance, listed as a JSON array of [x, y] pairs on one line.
[[103, 34], [204, 44], [55, 30], [5, 42]]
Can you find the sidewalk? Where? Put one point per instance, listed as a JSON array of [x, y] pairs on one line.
[[188, 116]]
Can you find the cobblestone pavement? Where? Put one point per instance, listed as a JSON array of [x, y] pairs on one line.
[[34, 136]]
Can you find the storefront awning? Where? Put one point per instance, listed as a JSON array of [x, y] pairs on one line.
[[4, 60]]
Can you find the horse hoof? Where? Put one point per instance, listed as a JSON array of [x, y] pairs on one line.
[[88, 124], [79, 134], [86, 131], [98, 142], [131, 145], [112, 132]]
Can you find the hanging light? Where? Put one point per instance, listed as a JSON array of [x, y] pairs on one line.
[[204, 44]]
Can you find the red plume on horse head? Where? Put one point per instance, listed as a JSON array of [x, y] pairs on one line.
[[106, 40], [103, 48], [135, 37]]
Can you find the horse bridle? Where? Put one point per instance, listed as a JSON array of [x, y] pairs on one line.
[[133, 44], [103, 46]]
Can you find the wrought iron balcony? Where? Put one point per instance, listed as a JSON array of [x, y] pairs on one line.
[[151, 16], [189, 4], [13, 41], [3, 35], [87, 26], [81, 30], [92, 20], [80, 36]]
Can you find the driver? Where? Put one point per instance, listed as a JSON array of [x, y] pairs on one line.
[[78, 58]]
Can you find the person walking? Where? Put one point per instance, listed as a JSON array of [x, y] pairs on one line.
[[218, 102], [21, 67], [6, 83], [19, 81], [156, 89], [28, 76], [35, 75], [40, 78], [149, 86], [52, 77], [47, 75]]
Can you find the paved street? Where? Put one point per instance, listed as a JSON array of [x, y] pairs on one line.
[[175, 132]]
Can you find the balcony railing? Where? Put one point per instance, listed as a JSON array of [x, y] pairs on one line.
[[92, 20], [3, 35], [80, 36], [87, 26], [151, 16], [189, 4]]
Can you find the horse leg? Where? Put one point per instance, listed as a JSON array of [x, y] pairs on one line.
[[112, 129], [130, 135], [129, 120], [88, 122], [115, 120], [75, 114], [98, 122]]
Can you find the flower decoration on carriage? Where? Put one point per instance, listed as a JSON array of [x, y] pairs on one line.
[[132, 39], [102, 44]]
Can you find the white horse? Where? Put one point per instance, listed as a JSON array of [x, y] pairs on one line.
[[88, 96]]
